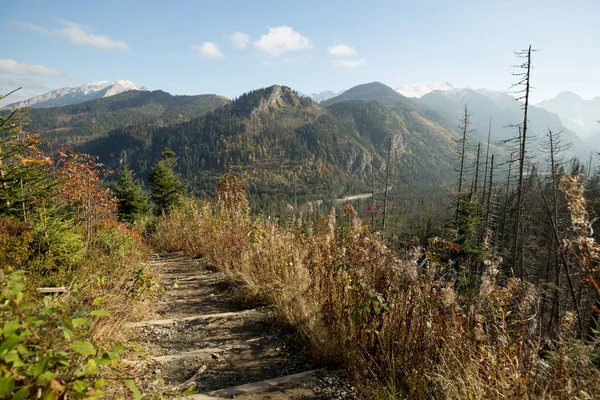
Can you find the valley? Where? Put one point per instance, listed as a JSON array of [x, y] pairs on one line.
[[292, 150]]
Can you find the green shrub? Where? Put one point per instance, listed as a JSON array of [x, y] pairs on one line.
[[44, 349], [15, 240], [55, 237]]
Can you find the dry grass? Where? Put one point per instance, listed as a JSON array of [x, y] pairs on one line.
[[402, 331], [115, 270]]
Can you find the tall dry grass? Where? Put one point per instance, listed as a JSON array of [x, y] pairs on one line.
[[115, 275], [400, 329]]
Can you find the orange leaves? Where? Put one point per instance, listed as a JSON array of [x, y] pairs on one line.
[[35, 161], [349, 209], [80, 187]]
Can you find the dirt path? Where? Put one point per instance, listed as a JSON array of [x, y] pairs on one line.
[[207, 339]]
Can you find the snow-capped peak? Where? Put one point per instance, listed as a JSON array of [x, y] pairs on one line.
[[421, 89], [79, 94], [326, 95]]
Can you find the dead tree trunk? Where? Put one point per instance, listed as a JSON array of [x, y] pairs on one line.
[[475, 181], [517, 231], [372, 197], [463, 141], [387, 177], [487, 207], [505, 208], [487, 155]]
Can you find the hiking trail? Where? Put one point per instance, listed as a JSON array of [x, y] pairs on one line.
[[204, 337]]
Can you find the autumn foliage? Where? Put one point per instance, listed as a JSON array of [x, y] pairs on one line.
[[80, 188], [58, 229], [404, 325]]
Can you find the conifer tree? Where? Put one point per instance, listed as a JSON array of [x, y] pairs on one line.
[[166, 185], [132, 201], [23, 176]]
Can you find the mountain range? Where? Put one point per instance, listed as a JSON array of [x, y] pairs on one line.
[[292, 149], [78, 123], [326, 95], [74, 95], [421, 89], [579, 118], [505, 114], [290, 142], [287, 144], [579, 115]]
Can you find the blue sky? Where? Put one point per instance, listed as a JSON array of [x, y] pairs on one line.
[[186, 47]]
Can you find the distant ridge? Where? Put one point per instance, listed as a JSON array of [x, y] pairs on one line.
[[74, 95], [371, 91], [326, 95], [421, 89], [577, 114]]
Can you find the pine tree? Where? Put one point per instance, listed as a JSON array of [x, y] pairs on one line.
[[166, 185], [24, 178], [132, 201]]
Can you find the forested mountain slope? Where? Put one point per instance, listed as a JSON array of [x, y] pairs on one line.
[[372, 91], [286, 143], [77, 123], [424, 162], [290, 147]]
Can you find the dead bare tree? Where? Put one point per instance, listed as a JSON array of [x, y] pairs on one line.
[[506, 200], [476, 178], [487, 207], [487, 155], [525, 82], [372, 196], [463, 144], [554, 146], [394, 149]]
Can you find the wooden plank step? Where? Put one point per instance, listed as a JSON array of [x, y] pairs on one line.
[[60, 289], [207, 350], [205, 277], [231, 392], [169, 321]]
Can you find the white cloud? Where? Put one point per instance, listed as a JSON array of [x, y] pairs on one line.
[[10, 66], [240, 40], [79, 36], [290, 60], [348, 63], [265, 63], [282, 39], [209, 50], [341, 50]]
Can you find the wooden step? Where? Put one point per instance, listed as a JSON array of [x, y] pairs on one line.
[[169, 321], [231, 392], [201, 278], [208, 350]]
